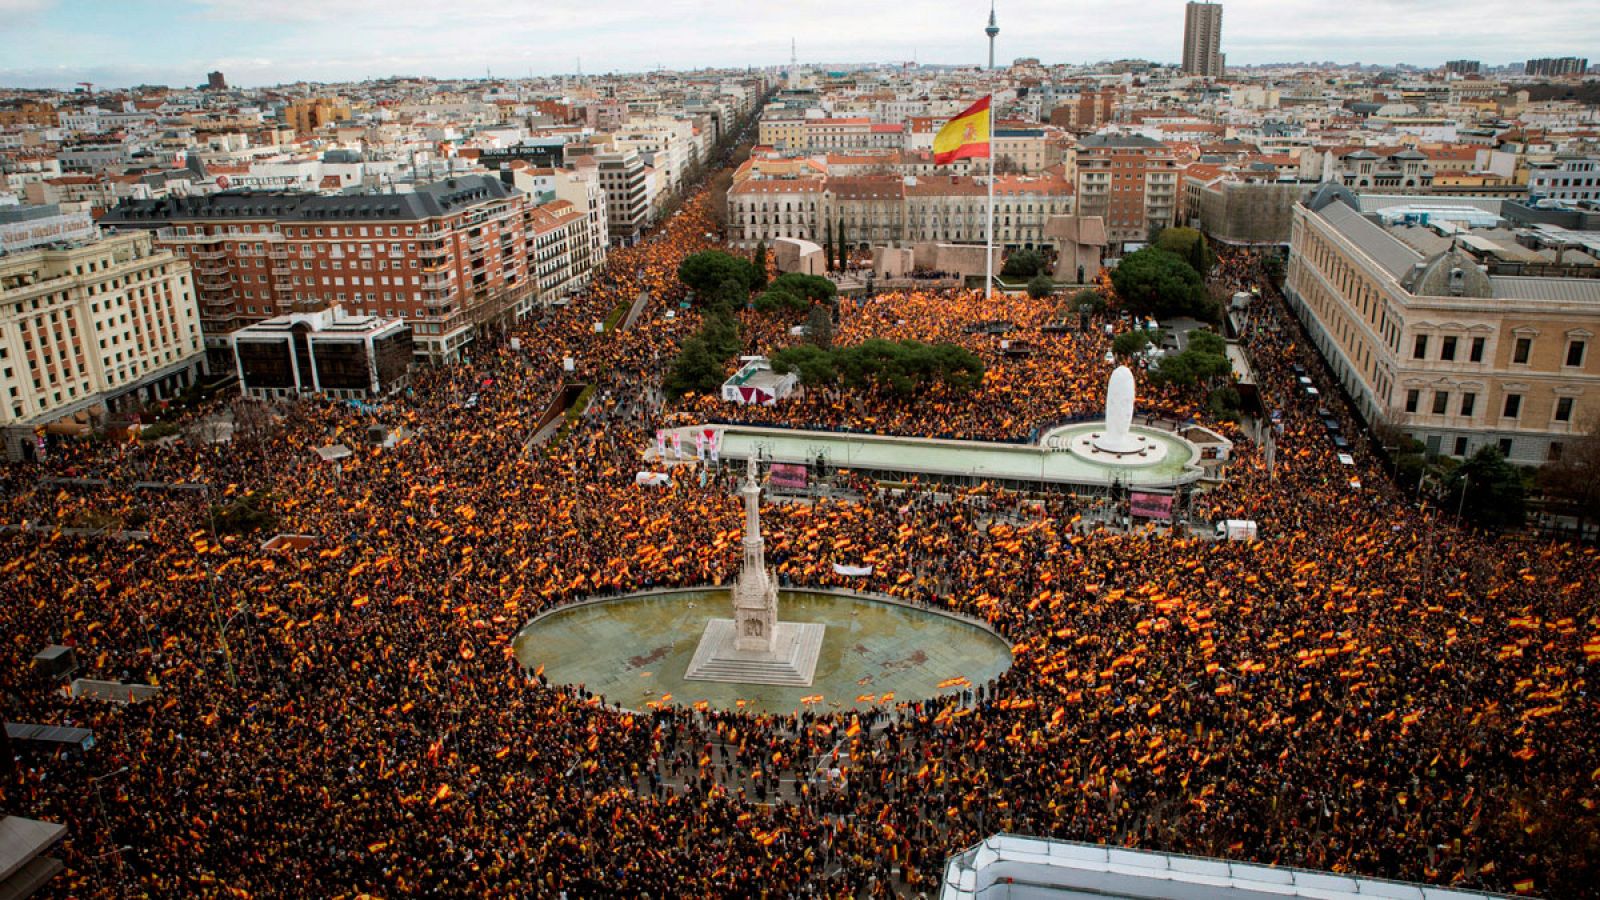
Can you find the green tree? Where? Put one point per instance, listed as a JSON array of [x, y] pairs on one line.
[[1040, 286], [1130, 342], [718, 276], [777, 299], [814, 288], [696, 370], [1090, 298], [1022, 264], [1154, 282], [813, 363], [761, 266], [721, 335], [1223, 404], [1202, 362], [819, 327], [1488, 490], [827, 248], [906, 368], [1207, 342], [844, 247], [1189, 244]]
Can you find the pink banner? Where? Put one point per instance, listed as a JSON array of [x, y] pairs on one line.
[[788, 475], [1151, 506]]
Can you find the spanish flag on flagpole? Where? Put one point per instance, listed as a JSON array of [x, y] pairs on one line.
[[963, 137]]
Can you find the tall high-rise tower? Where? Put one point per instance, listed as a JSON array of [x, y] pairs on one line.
[[991, 31], [1202, 40]]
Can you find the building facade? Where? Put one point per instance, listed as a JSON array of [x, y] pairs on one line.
[[1573, 178], [879, 210], [1202, 39], [623, 177], [92, 327], [1555, 67], [1439, 347], [450, 258], [326, 352], [1129, 181]]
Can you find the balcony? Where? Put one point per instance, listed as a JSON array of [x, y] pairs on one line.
[[278, 253], [281, 271], [208, 254], [435, 234], [214, 284]]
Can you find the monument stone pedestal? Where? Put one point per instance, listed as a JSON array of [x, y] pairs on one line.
[[791, 662], [754, 647]]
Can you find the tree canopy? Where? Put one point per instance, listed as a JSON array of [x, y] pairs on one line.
[[1203, 361], [1040, 286], [716, 276], [1488, 490], [904, 367], [1190, 245], [702, 362], [1157, 283], [1130, 342], [1022, 264]]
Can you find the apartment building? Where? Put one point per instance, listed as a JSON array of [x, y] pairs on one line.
[[89, 327], [623, 176], [1567, 177], [1426, 334], [565, 250], [1202, 39], [450, 258], [1129, 181]]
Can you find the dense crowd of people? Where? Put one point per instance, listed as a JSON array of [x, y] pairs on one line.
[[1368, 688]]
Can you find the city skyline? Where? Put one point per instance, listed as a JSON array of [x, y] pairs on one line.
[[58, 43]]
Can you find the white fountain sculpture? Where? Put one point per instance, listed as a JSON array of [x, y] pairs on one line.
[[1116, 443]]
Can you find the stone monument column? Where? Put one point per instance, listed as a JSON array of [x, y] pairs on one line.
[[755, 600]]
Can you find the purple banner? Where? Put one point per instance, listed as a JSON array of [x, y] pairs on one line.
[[1151, 506]]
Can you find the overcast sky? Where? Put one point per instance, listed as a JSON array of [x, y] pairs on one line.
[[121, 42]]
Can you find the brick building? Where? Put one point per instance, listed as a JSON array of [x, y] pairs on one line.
[[450, 258], [1130, 181]]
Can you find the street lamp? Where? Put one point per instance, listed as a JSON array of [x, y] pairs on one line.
[[105, 822]]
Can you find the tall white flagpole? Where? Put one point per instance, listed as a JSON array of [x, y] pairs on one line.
[[988, 253]]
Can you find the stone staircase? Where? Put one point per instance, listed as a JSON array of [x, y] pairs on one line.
[[793, 664]]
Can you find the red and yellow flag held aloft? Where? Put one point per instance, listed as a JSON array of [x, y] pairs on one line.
[[965, 136]]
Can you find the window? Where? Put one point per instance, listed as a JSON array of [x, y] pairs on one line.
[[1505, 447], [1520, 354], [1476, 353], [1575, 353], [1513, 407], [1413, 397], [1564, 409], [1461, 446], [1468, 401], [1420, 349], [1447, 349], [1554, 453], [1441, 402]]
